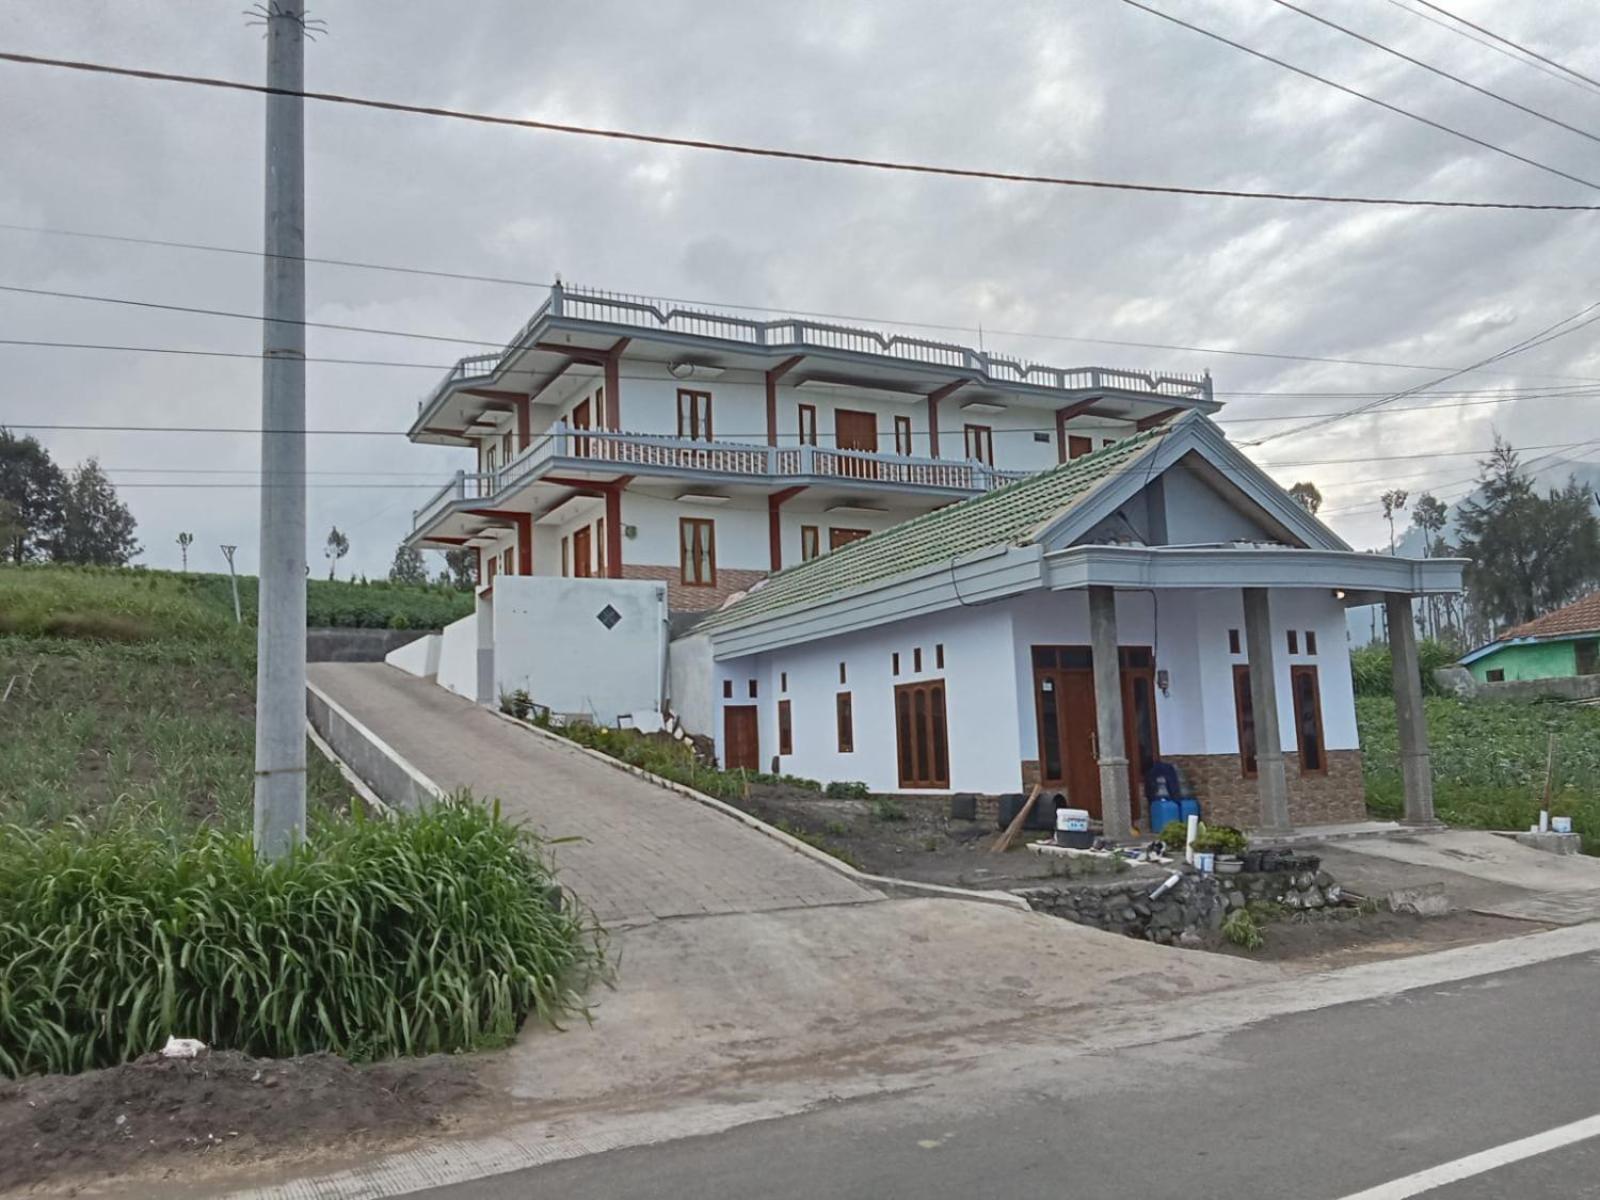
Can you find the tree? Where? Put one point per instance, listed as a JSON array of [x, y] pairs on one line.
[[1529, 553], [461, 566], [1429, 515], [408, 566], [96, 527], [1393, 502], [1308, 496], [337, 546], [185, 540], [34, 491]]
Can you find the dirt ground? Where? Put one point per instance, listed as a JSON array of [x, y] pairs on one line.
[[909, 838], [176, 1113], [1327, 939]]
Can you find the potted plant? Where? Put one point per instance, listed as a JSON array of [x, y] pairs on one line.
[[1227, 843]]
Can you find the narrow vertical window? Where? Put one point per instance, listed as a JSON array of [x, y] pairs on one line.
[[938, 656], [902, 435], [752, 689], [1294, 641], [846, 722], [697, 552], [783, 681], [841, 672], [1311, 642], [808, 424], [894, 662], [727, 689], [1244, 714], [1233, 641], [600, 547], [694, 415], [566, 559], [916, 659], [980, 444], [810, 543], [785, 728]]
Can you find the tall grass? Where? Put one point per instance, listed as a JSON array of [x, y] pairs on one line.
[[434, 932]]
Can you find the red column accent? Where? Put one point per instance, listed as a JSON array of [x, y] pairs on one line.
[[613, 386], [777, 373], [524, 543], [614, 531], [775, 503], [934, 397], [524, 422], [1155, 419], [1063, 415]]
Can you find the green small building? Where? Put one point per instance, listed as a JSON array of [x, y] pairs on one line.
[[1555, 646]]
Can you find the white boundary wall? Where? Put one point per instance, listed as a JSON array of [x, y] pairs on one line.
[[458, 657], [420, 657]]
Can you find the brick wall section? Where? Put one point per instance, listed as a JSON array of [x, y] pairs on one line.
[[1228, 798], [694, 599]]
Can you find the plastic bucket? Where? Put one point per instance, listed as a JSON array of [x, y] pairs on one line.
[[1072, 828], [1205, 861]]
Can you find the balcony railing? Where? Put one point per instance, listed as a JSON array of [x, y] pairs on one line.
[[661, 453], [796, 335]]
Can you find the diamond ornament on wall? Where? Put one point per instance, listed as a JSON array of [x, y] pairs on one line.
[[608, 617]]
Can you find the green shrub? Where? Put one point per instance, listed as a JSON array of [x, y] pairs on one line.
[[886, 808], [1175, 833], [433, 932], [1372, 674], [1241, 929], [847, 789], [1220, 839]]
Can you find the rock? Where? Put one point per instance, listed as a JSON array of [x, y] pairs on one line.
[[1426, 900], [1236, 900], [1304, 881], [1312, 899], [1324, 880], [1191, 940], [1334, 893]]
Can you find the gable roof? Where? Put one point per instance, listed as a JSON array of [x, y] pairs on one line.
[[1581, 616], [1050, 507]]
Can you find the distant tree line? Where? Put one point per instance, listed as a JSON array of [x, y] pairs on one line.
[[51, 515]]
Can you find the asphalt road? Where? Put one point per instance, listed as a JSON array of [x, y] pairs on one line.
[[1321, 1105]]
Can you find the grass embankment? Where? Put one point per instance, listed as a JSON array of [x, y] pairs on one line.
[[1489, 761], [132, 906]]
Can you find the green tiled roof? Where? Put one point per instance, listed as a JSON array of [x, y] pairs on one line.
[[1010, 515]]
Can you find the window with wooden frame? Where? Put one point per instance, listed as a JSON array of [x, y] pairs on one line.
[[841, 672], [602, 418], [894, 663], [505, 563], [697, 552], [810, 543], [694, 415], [783, 681], [505, 446], [1077, 446], [1497, 675], [1308, 719], [1294, 641], [1311, 641], [727, 689], [489, 458], [838, 536], [845, 719], [980, 443], [1104, 442], [752, 689], [785, 728], [916, 660], [1233, 641], [807, 414], [492, 566], [1586, 656], [902, 435], [938, 656], [1244, 714], [922, 749], [566, 559], [600, 547]]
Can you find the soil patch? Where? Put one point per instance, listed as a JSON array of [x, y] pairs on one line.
[[168, 1113], [1341, 937], [907, 837]]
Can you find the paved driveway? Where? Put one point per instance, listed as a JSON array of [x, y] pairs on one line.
[[646, 853]]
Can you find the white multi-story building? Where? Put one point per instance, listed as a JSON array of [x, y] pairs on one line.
[[625, 438]]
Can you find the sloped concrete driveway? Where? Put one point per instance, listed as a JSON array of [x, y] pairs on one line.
[[645, 853]]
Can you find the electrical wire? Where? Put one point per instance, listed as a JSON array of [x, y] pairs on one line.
[[1443, 74], [1516, 58], [1444, 12], [1367, 96], [771, 152]]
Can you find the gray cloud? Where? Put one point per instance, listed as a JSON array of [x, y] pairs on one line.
[[1088, 87]]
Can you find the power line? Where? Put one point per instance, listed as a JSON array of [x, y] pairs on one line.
[[1545, 335], [1516, 58], [1443, 74], [1444, 12], [1350, 91], [770, 152]]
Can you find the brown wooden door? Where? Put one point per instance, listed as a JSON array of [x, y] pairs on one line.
[[1141, 736], [582, 418], [854, 430], [741, 738], [922, 746], [582, 553], [843, 537], [1064, 703]]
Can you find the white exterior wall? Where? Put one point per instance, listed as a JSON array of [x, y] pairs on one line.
[[420, 658], [742, 532], [458, 657], [980, 679], [549, 641], [989, 680]]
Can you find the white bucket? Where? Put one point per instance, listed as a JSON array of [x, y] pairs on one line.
[[1205, 861]]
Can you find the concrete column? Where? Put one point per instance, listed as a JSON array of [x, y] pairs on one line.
[[1416, 769], [1115, 802], [1270, 778]]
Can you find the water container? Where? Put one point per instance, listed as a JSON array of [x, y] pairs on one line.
[[1162, 812], [1188, 807], [1072, 828]]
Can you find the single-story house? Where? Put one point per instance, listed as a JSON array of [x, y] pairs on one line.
[[1148, 601], [1558, 645]]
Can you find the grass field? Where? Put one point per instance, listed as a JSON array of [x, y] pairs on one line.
[[1489, 761]]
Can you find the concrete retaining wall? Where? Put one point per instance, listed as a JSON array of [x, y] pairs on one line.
[[1460, 682], [377, 764], [458, 657], [356, 645], [419, 658]]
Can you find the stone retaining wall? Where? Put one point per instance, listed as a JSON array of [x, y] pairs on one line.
[[1195, 906]]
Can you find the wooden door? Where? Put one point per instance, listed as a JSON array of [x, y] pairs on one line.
[[1141, 736], [1063, 687], [582, 418], [843, 537], [582, 553], [854, 430], [741, 738], [922, 746]]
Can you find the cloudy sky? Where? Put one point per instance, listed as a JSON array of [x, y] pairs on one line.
[[1067, 87]]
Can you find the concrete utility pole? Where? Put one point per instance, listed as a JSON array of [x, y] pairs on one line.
[[280, 794]]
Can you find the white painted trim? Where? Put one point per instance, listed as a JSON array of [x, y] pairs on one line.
[[904, 887], [357, 784], [1249, 566], [1482, 1162], [377, 742]]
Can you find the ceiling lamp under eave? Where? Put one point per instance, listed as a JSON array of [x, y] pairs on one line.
[[683, 368], [982, 406]]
